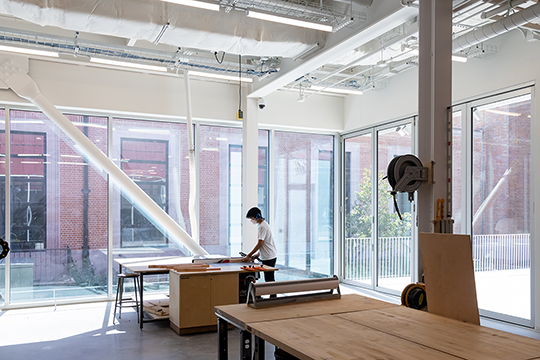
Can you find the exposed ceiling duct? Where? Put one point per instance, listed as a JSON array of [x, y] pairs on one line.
[[181, 26], [497, 28]]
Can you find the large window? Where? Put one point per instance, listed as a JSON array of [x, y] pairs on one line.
[[146, 162], [304, 197], [58, 210], [500, 225]]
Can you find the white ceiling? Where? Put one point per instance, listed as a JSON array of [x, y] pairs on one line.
[[362, 55]]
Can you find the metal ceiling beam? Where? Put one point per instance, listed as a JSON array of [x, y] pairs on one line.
[[382, 16]]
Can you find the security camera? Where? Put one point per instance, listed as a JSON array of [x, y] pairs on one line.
[[261, 103]]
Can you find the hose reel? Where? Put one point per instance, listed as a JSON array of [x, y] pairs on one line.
[[405, 173]]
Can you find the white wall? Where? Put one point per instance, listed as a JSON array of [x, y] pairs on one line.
[[87, 87], [317, 112]]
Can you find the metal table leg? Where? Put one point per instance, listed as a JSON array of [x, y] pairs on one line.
[[223, 343], [259, 349], [141, 316], [245, 345]]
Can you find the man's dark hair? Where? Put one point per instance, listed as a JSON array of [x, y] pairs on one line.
[[254, 212]]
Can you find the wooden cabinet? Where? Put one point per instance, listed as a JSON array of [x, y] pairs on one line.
[[192, 298]]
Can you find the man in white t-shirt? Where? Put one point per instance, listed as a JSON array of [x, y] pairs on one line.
[[265, 246]]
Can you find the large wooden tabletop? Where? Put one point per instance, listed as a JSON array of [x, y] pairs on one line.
[[357, 327], [142, 265]]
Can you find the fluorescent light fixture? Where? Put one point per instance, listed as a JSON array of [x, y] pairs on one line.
[[459, 58], [128, 64], [220, 76], [31, 162], [289, 21], [197, 4], [71, 163], [209, 149], [26, 122], [28, 51], [29, 155], [507, 113], [151, 131], [89, 125], [71, 156], [336, 90]]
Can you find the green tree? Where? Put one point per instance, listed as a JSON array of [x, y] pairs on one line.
[[358, 221]]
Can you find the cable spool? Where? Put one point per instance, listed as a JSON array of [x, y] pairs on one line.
[[4, 246], [414, 296]]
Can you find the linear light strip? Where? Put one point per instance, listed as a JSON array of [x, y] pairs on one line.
[[128, 64], [336, 90], [28, 51], [288, 21], [219, 76], [197, 4]]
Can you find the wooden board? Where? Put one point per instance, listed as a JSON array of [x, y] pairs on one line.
[[330, 337], [468, 341], [449, 276], [241, 314]]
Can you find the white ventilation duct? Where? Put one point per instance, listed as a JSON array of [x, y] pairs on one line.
[[497, 28], [14, 76], [189, 27]]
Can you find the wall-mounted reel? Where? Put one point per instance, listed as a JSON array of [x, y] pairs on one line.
[[405, 173]]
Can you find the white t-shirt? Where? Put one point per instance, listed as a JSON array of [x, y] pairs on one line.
[[268, 249]]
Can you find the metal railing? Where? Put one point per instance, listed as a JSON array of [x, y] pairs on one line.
[[501, 252], [490, 252], [49, 265]]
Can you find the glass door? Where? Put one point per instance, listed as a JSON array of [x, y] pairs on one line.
[[377, 244], [394, 236], [358, 247], [500, 216]]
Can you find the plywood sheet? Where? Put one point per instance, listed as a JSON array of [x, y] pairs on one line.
[[449, 276], [241, 313], [330, 337], [468, 341]]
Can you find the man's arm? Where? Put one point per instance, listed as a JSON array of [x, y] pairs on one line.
[[255, 249]]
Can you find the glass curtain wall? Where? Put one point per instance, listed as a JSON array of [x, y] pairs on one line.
[[3, 198], [220, 199], [394, 235], [358, 209], [58, 222], [154, 155], [501, 149], [303, 221]]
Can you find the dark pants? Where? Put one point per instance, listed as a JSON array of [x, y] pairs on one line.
[[269, 275]]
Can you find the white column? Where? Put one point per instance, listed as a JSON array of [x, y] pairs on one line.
[[435, 96], [250, 170]]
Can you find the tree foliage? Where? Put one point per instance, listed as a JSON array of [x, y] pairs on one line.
[[358, 221]]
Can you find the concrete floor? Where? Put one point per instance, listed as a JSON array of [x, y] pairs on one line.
[[86, 332]]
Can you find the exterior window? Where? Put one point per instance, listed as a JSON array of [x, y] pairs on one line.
[[28, 190], [146, 163], [303, 223]]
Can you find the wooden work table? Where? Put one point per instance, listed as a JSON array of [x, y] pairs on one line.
[[357, 327], [192, 295]]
